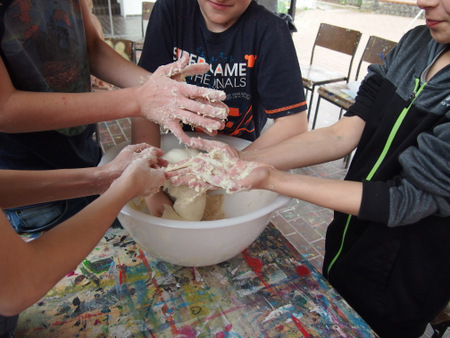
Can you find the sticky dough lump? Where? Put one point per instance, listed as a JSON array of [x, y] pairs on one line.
[[190, 205]]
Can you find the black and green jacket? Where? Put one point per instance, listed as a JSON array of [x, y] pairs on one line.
[[392, 262]]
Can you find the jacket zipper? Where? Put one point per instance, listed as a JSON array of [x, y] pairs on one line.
[[417, 90]]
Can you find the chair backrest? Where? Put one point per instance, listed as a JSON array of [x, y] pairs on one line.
[[126, 48], [338, 39], [375, 51], [147, 8]]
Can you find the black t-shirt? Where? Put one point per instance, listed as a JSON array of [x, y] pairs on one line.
[[43, 47]]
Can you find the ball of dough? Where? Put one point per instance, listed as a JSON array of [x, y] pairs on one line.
[[188, 204], [180, 154]]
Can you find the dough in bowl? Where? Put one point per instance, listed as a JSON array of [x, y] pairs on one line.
[[190, 205]]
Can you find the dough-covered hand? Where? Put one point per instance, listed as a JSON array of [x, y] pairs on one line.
[[170, 103], [142, 172], [216, 169], [213, 145], [132, 152], [115, 168]]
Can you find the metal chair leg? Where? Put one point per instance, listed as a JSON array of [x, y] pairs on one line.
[[315, 113], [441, 323], [347, 160], [311, 100], [439, 329]]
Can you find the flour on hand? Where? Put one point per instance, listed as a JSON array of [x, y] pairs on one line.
[[214, 169]]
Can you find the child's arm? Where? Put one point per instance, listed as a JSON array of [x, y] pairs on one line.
[[55, 253]]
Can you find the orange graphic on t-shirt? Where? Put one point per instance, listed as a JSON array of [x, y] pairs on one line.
[[242, 127], [232, 112], [250, 60]]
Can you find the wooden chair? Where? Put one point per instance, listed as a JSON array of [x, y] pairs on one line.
[[338, 93], [124, 47], [332, 38], [147, 8]]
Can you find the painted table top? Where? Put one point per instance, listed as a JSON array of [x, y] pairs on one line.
[[119, 290]]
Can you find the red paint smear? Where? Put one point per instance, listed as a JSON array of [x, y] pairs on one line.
[[144, 261], [256, 266], [280, 327], [300, 326], [70, 274], [122, 274], [91, 315], [228, 327], [221, 313], [97, 322], [81, 317], [302, 270], [187, 331], [165, 309], [193, 274]]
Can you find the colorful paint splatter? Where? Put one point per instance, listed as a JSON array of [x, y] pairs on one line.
[[119, 290]]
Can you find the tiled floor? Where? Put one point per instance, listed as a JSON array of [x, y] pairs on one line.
[[114, 132], [304, 224]]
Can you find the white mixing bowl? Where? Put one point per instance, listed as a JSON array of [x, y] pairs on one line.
[[206, 242]]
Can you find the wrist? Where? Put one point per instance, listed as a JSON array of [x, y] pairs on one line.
[[122, 190], [272, 179], [133, 96], [252, 155], [104, 176]]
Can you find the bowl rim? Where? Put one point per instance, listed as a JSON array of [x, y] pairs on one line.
[[267, 210]]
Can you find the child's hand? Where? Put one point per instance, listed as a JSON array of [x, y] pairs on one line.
[[210, 145], [112, 170], [216, 169], [169, 103], [140, 177], [143, 176], [130, 153]]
